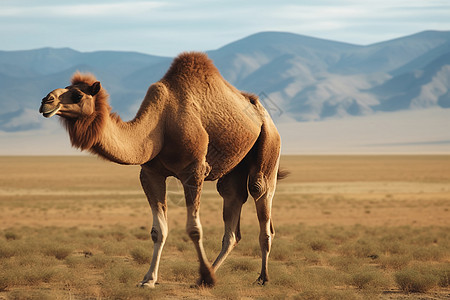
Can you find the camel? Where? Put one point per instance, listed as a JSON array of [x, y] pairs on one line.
[[195, 126]]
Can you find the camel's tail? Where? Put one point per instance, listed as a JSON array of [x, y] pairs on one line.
[[282, 174]]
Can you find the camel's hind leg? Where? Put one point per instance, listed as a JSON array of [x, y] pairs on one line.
[[261, 185], [233, 188], [154, 186]]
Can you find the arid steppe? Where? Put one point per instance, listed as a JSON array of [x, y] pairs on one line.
[[347, 227]]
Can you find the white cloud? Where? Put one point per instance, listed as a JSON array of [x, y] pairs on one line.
[[82, 10]]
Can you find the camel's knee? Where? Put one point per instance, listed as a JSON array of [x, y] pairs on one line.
[[194, 235], [265, 241], [257, 186], [231, 239], [158, 236], [194, 232]]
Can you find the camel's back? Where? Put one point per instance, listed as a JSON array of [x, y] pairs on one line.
[[189, 67], [193, 79]]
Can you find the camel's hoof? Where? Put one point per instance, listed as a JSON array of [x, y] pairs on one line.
[[206, 281], [261, 281], [207, 278], [148, 285], [202, 283]]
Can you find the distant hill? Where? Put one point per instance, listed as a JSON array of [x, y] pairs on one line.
[[304, 78]]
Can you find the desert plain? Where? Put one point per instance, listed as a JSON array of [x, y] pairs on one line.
[[347, 227]]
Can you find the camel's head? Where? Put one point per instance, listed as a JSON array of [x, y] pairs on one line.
[[83, 107], [73, 102]]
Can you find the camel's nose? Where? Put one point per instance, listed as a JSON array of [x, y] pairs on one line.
[[48, 99], [47, 103]]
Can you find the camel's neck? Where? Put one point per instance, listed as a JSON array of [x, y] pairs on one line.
[[131, 143], [137, 141]]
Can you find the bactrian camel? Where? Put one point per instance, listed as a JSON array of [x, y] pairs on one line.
[[195, 126]]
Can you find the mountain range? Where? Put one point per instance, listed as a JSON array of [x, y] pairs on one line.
[[298, 78]]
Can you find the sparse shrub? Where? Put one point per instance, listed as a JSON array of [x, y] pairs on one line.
[[281, 276], [282, 250], [115, 248], [245, 265], [9, 235], [210, 245], [34, 260], [325, 276], [396, 262], [345, 263], [140, 255], [24, 247], [142, 235], [367, 277], [121, 273], [395, 247], [182, 246], [443, 274], [285, 280], [320, 283], [129, 291], [340, 235], [362, 279], [33, 276], [360, 248], [249, 248], [29, 295], [73, 261], [58, 251], [6, 251], [118, 233], [428, 253], [326, 294], [183, 272], [99, 261], [319, 245], [5, 281], [416, 280], [312, 257], [227, 292]]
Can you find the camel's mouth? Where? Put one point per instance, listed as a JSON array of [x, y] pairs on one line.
[[48, 111]]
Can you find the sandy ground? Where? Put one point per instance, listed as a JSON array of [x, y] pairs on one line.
[[346, 190], [85, 192]]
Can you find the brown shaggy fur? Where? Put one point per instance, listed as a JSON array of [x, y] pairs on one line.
[[188, 66], [85, 132]]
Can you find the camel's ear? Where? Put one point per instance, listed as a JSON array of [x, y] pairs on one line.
[[95, 88]]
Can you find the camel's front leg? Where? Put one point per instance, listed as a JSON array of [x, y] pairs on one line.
[[154, 186], [192, 190]]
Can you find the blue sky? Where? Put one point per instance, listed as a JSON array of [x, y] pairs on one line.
[[169, 27]]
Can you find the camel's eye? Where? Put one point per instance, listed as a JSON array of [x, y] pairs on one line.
[[76, 97]]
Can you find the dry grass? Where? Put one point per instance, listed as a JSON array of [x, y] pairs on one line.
[[347, 227]]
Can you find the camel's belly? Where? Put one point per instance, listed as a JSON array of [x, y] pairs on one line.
[[232, 131], [228, 151]]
